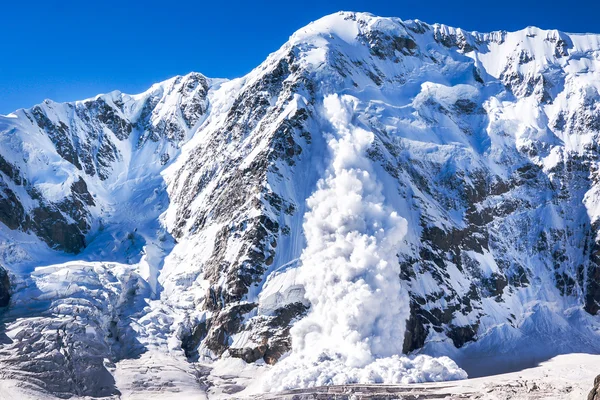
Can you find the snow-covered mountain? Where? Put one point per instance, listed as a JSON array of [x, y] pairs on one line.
[[376, 187]]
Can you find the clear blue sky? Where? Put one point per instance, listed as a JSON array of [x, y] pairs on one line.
[[73, 49]]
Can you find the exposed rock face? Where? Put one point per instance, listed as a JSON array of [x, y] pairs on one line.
[[595, 392], [195, 191], [4, 287]]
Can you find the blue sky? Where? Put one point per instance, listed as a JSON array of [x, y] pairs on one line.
[[73, 49]]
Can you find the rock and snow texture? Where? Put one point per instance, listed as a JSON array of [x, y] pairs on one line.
[[375, 187]]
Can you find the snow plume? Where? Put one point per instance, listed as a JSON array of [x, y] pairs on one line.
[[350, 271]]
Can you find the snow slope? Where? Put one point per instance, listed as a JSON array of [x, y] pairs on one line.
[[375, 188]]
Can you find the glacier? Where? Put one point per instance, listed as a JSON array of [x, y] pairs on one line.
[[380, 201]]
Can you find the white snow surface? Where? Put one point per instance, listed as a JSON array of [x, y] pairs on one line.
[[565, 377]]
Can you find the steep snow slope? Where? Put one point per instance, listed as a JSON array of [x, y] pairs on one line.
[[268, 216]]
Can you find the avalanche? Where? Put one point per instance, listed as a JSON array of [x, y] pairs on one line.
[[350, 275]]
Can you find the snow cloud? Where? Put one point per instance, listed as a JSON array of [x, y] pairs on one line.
[[355, 329]]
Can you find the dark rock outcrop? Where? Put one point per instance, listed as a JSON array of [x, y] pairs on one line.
[[4, 287], [595, 392]]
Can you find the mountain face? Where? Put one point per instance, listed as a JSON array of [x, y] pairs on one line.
[[376, 187]]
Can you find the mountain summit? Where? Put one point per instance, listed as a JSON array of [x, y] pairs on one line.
[[375, 197]]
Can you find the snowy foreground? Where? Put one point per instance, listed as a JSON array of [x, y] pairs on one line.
[[565, 377]]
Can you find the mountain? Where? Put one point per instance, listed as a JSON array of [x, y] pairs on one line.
[[376, 187]]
